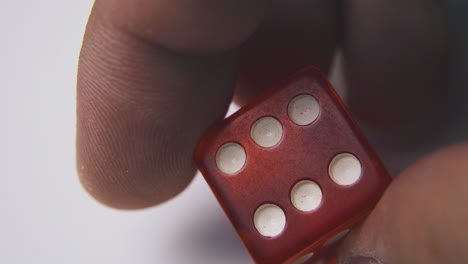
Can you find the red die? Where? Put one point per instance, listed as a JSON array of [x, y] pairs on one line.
[[292, 171]]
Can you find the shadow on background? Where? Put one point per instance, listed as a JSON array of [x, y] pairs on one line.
[[212, 233]]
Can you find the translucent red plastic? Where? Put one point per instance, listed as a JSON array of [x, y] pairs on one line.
[[304, 152]]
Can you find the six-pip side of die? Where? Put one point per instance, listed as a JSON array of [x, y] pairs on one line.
[[292, 170]]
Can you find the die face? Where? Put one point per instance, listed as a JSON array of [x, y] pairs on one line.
[[303, 152]]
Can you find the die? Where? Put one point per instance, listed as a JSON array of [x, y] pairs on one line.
[[292, 171]]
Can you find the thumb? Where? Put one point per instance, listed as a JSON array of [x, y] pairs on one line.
[[421, 218]]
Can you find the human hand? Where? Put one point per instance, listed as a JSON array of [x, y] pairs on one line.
[[155, 74]]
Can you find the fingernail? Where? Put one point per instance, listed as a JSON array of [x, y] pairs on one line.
[[362, 260]]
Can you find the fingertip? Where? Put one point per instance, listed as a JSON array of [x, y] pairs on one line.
[[140, 110], [125, 171], [419, 218], [129, 196]]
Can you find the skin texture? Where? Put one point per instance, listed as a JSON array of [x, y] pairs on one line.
[[154, 74]]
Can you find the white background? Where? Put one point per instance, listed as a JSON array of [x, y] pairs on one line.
[[45, 216]]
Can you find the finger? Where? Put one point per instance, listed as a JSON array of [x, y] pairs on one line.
[[185, 25], [421, 218], [152, 76], [395, 62], [295, 34]]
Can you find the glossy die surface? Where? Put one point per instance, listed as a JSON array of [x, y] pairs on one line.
[[292, 170]]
